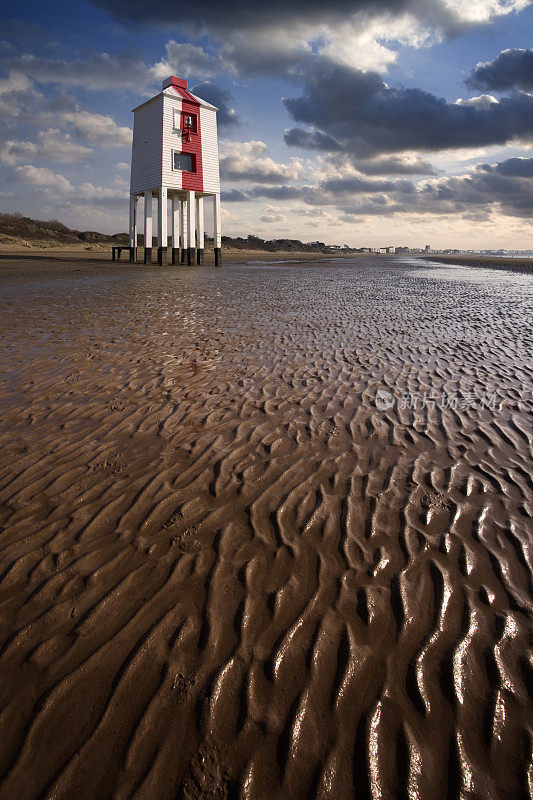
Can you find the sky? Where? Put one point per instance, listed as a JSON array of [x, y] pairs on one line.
[[400, 122]]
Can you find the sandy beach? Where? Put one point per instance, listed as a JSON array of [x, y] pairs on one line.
[[265, 530]]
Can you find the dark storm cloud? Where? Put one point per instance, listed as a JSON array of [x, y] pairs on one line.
[[515, 167], [356, 185], [278, 192], [367, 117], [241, 13], [311, 140], [396, 165], [512, 69], [227, 118], [518, 167]]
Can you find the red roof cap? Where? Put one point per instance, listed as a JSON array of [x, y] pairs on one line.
[[173, 81]]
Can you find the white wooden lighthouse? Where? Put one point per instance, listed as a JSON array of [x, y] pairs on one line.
[[175, 157]]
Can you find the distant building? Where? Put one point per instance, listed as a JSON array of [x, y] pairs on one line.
[[427, 248]]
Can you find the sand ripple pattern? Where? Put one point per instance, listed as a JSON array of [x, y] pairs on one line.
[[225, 573]]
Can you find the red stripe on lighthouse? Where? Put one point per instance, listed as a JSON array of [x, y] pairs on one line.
[[191, 142]]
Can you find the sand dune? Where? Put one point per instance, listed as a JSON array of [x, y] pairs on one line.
[[225, 573]]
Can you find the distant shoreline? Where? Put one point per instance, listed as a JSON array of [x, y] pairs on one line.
[[495, 262], [100, 255]]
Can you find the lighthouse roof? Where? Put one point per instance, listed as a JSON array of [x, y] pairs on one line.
[[178, 87]]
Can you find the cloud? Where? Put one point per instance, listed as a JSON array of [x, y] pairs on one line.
[[243, 14], [96, 71], [97, 129], [41, 176], [272, 218], [312, 216], [396, 165], [272, 215], [277, 192], [337, 191], [311, 140], [341, 164], [102, 71], [87, 215], [101, 195], [456, 15], [270, 49], [515, 167], [511, 69], [248, 161], [15, 82], [227, 117], [486, 187], [505, 187], [256, 38], [119, 71], [54, 185], [11, 152], [364, 41], [234, 196], [380, 206], [482, 103], [188, 59], [359, 185], [64, 132], [52, 145], [16, 92], [367, 117]]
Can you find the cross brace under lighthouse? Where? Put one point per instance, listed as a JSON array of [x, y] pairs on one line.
[[175, 157]]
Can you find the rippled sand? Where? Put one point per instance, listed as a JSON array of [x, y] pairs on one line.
[[225, 573]]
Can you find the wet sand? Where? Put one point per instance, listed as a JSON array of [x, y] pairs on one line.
[[225, 572], [508, 263]]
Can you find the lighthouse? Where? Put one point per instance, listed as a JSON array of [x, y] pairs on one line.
[[174, 159]]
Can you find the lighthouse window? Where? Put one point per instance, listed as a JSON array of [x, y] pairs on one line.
[[184, 162]]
